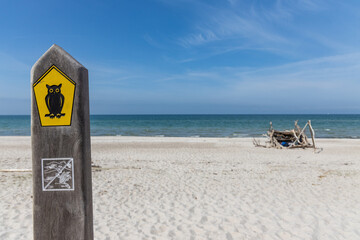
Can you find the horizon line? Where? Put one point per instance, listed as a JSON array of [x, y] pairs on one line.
[[142, 114]]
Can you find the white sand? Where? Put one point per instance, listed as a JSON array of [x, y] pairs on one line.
[[202, 188]]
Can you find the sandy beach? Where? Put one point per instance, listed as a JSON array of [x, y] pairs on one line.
[[201, 188]]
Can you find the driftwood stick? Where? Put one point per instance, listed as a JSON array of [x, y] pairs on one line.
[[271, 138], [257, 143], [276, 143], [299, 130], [297, 138], [312, 132]]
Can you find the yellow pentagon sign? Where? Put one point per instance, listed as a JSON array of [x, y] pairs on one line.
[[54, 94]]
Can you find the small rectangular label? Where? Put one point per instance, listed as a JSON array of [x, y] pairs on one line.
[[57, 174]]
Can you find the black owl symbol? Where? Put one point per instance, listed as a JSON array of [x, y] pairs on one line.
[[54, 101]]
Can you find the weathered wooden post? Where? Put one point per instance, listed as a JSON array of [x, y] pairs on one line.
[[60, 139]]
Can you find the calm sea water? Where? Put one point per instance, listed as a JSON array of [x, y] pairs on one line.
[[326, 126]]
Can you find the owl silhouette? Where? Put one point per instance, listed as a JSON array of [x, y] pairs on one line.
[[54, 101]]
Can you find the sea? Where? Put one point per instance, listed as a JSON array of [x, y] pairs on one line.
[[224, 126]]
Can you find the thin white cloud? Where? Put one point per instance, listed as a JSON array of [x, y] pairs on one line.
[[199, 38], [235, 22], [227, 25], [276, 26]]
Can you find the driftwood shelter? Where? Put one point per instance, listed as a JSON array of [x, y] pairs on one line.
[[295, 138]]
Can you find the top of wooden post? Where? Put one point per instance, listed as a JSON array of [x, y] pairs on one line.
[[57, 68], [54, 55]]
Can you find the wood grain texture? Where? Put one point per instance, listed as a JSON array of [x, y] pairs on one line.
[[63, 214]]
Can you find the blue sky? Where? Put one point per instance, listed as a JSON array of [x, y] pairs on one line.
[[189, 56]]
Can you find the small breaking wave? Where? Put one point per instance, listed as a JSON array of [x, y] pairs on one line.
[[239, 135]]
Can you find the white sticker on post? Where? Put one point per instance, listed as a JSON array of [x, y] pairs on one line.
[[57, 174]]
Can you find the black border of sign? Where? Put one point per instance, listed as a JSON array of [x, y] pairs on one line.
[[68, 78]]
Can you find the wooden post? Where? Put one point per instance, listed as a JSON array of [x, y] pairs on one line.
[[60, 140]]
